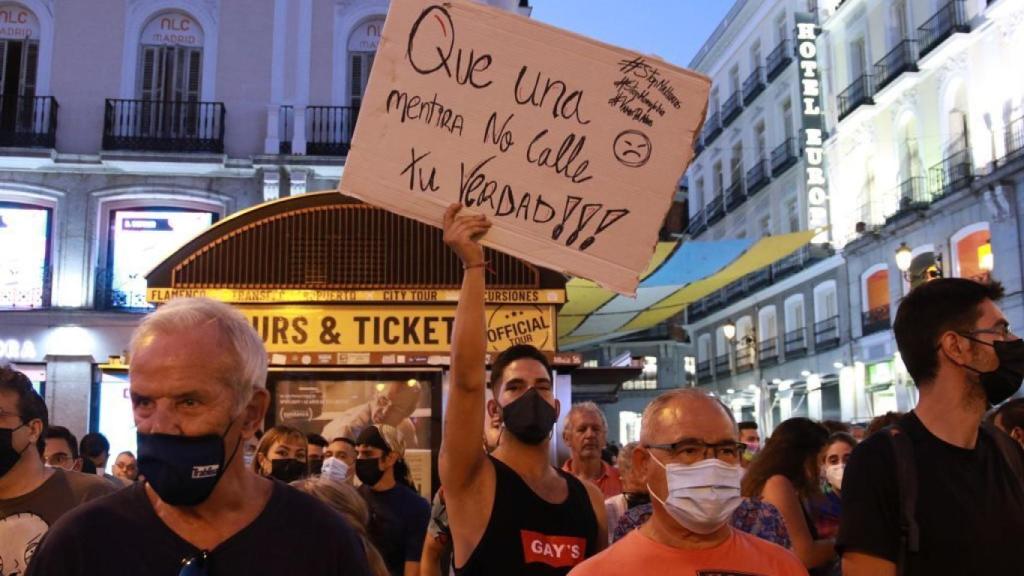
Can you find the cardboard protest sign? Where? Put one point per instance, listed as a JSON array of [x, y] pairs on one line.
[[573, 148]]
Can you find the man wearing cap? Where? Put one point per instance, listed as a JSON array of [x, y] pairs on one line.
[[398, 514]]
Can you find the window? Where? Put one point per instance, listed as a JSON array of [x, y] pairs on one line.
[[648, 379], [858, 59], [24, 272], [781, 32], [362, 46], [170, 70], [629, 426], [899, 24], [139, 240], [704, 348], [698, 194], [876, 288], [714, 102], [910, 154], [792, 215], [716, 175], [765, 226], [736, 163], [787, 120], [734, 79], [760, 143], [826, 304], [767, 325], [795, 318], [19, 64], [755, 56], [972, 248]]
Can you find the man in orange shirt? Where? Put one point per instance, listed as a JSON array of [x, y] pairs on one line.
[[586, 433], [690, 457]]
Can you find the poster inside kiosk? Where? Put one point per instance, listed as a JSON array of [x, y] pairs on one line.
[[573, 148]]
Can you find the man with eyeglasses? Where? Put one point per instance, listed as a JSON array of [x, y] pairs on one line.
[[61, 449], [939, 492], [198, 376], [690, 457], [32, 496]]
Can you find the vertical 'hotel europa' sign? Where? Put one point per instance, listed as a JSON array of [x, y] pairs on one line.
[[813, 124]]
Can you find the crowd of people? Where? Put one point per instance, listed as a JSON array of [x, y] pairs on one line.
[[938, 490]]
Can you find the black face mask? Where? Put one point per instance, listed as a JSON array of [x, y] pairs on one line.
[[529, 417], [287, 469], [316, 465], [1005, 380], [368, 471], [8, 455], [183, 470]]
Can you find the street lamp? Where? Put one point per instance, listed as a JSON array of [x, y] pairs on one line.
[[985, 259], [729, 330], [903, 258]]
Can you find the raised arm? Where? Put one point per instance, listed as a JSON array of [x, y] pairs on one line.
[[462, 455]]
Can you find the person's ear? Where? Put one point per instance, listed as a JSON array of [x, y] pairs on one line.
[[493, 410], [955, 348], [35, 430], [265, 467], [77, 466], [1018, 434], [558, 406], [641, 460], [254, 412]]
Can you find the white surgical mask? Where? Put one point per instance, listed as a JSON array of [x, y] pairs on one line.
[[334, 469], [834, 475], [701, 496]]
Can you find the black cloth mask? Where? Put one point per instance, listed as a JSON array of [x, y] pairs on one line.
[[287, 469], [8, 455], [183, 470], [316, 465], [1005, 380], [368, 471], [529, 417]]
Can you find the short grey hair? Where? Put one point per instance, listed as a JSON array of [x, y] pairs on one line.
[[661, 402], [625, 459], [186, 314], [586, 407]]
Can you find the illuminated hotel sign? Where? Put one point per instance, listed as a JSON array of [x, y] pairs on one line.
[[813, 125]]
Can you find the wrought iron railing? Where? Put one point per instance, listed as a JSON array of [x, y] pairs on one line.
[[329, 129], [753, 85], [952, 173], [712, 129], [18, 292], [1013, 139], [912, 194], [951, 18], [783, 156], [286, 129], [768, 351], [902, 58], [796, 342], [698, 224], [703, 369], [744, 357], [126, 294], [731, 108], [722, 364], [858, 93], [28, 121], [757, 176], [736, 193], [779, 59], [826, 333], [875, 320], [715, 209], [164, 126]]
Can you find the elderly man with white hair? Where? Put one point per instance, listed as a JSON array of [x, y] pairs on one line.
[[198, 374], [586, 434], [690, 459]]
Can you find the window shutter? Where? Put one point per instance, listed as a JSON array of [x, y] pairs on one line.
[[356, 80], [195, 77], [29, 63]]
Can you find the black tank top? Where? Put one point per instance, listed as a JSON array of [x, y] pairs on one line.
[[528, 536]]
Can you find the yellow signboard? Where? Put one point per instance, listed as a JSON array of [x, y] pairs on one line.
[[426, 295], [325, 329]]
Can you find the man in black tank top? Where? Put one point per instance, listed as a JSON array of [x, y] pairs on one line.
[[511, 512]]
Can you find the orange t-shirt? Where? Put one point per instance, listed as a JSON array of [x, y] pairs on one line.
[[740, 555]]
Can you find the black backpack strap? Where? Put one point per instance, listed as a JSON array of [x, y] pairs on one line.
[[1008, 447], [906, 480]]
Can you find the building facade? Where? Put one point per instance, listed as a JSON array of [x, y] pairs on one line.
[[129, 126]]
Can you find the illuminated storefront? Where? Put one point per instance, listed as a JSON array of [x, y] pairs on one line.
[[356, 307]]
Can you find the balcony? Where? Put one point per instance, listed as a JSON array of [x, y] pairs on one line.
[[698, 224], [329, 129], [753, 85], [757, 177], [744, 358], [951, 174], [784, 156], [913, 195], [768, 352], [871, 217], [858, 93], [286, 129], [712, 129], [715, 210], [950, 19], [902, 58], [163, 126], [796, 343], [875, 320], [1013, 140], [800, 259], [779, 59], [703, 369], [731, 109], [736, 193], [826, 333], [28, 121], [698, 145], [722, 364]]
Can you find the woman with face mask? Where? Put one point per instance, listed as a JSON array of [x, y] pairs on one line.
[[833, 463], [787, 475], [281, 454]]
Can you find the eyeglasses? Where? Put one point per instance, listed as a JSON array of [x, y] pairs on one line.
[[689, 451], [194, 566], [1003, 331], [58, 459]]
